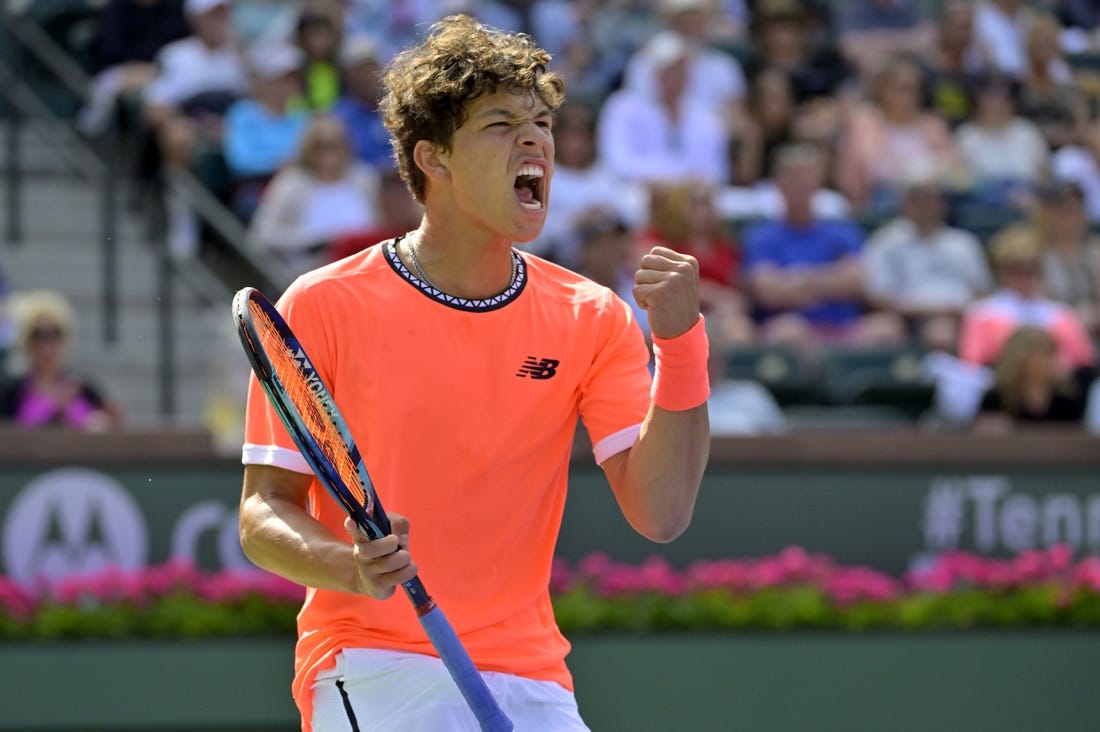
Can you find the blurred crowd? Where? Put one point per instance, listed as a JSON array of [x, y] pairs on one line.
[[915, 175]]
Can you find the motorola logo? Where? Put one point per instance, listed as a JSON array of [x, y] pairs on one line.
[[72, 521]]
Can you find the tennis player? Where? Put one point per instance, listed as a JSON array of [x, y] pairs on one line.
[[462, 366]]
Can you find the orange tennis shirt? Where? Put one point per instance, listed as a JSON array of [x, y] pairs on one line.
[[465, 413]]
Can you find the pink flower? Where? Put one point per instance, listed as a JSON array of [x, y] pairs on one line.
[[731, 574], [853, 584], [175, 574], [14, 600], [1029, 566], [562, 576], [1087, 574], [937, 578], [594, 565], [1059, 558], [799, 566], [657, 575], [768, 573]]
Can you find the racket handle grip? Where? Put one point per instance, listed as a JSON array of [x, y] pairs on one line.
[[465, 674]]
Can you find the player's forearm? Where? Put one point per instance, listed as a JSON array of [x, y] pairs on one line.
[[658, 480], [279, 536]]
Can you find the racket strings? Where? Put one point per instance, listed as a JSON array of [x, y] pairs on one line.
[[289, 371]]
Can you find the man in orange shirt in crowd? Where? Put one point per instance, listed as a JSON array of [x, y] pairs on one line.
[[461, 366]]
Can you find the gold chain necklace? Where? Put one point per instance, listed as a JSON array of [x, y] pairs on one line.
[[417, 266], [421, 275]]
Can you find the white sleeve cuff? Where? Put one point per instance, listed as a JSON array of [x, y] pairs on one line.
[[615, 443], [279, 457]]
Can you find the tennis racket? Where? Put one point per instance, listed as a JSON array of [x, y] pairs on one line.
[[309, 413]]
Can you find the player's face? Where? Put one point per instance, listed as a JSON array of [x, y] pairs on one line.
[[501, 161]]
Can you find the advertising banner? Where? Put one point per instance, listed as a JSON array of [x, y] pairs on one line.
[[58, 519]]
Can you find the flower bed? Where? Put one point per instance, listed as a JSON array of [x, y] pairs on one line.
[[799, 590], [791, 590], [172, 600]]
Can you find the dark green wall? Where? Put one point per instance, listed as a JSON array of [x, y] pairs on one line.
[[798, 682], [882, 518], [832, 683], [879, 517]]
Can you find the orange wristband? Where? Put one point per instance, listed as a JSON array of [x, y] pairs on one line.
[[680, 378]]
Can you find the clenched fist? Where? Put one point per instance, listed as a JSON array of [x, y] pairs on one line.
[[666, 286]]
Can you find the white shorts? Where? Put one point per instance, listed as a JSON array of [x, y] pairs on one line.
[[389, 691]]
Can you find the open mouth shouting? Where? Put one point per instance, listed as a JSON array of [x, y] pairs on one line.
[[530, 187]]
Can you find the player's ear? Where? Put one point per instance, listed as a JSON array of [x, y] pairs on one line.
[[431, 160]]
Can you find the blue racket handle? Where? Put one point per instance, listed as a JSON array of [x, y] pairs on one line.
[[463, 671]]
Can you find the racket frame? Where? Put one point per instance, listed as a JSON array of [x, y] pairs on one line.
[[369, 516]]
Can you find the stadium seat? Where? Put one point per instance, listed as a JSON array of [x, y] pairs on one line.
[[882, 377], [983, 220], [809, 418], [779, 370], [1088, 61]]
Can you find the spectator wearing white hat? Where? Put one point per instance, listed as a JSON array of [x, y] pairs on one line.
[[668, 135], [714, 77], [263, 131], [199, 76], [205, 62]]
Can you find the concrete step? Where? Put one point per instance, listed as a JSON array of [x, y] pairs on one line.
[[39, 152], [62, 250]]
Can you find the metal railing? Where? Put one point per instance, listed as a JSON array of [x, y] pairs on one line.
[[27, 42], [225, 224]]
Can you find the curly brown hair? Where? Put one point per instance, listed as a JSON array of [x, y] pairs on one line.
[[427, 87]]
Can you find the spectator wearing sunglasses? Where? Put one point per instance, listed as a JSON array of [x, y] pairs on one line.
[[1021, 300], [48, 394]]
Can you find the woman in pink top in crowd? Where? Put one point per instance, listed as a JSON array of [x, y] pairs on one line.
[[1021, 301], [48, 395]]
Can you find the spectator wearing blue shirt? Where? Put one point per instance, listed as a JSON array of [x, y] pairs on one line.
[[804, 274], [263, 131], [358, 107]]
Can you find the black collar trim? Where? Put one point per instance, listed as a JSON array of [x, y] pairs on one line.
[[458, 303]]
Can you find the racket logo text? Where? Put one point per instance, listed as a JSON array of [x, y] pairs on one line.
[[313, 381]]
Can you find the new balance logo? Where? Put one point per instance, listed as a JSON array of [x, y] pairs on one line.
[[538, 368]]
